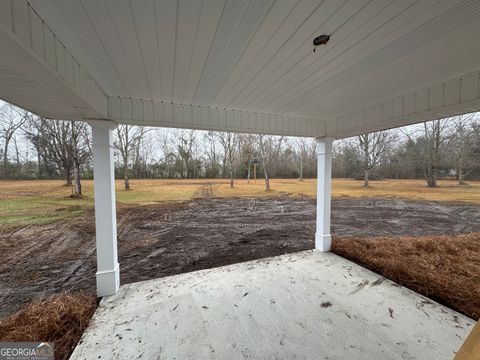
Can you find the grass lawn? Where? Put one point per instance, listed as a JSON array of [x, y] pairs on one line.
[[43, 201]]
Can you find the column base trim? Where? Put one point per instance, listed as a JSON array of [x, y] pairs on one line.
[[108, 281], [323, 242]]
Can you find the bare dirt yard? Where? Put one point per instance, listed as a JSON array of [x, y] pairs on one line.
[[164, 238]]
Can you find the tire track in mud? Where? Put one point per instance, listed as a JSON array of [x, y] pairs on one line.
[[172, 225], [205, 192], [167, 239]]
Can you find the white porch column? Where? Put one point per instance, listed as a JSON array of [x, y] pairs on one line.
[[108, 276], [323, 238]]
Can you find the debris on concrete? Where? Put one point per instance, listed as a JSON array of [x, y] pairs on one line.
[[357, 327]]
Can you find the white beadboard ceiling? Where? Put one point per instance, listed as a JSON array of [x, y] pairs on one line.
[[256, 56]]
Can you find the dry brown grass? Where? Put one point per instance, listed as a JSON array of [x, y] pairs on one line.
[[154, 190], [443, 268], [447, 190], [59, 318], [43, 201]]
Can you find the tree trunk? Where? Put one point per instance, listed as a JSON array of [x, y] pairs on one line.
[[78, 184], [125, 174], [431, 173], [17, 154], [267, 180], [365, 177], [461, 180], [68, 178], [248, 175], [431, 178], [300, 177], [231, 176], [5, 161], [39, 163]]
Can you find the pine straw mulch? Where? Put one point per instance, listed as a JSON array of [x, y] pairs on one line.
[[61, 319], [444, 268]]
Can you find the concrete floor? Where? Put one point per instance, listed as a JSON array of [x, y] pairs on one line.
[[308, 305]]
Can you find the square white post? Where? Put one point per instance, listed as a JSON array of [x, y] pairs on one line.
[[323, 239], [108, 274]]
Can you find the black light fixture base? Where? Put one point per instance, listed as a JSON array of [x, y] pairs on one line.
[[320, 40]]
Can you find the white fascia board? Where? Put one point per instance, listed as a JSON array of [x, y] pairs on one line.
[[455, 96], [29, 44], [161, 114]]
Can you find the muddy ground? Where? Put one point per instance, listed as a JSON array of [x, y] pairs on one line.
[[168, 239]]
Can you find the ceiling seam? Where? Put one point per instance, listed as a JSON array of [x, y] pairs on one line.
[[209, 52], [121, 46], [157, 47], [302, 58], [357, 86], [74, 58], [245, 48], [420, 36], [386, 46], [175, 49], [340, 54], [193, 47], [140, 48], [103, 46], [270, 99], [280, 48], [229, 41], [258, 54]]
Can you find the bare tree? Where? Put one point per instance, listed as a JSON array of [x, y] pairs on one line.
[[49, 137], [461, 146], [61, 145], [128, 139], [301, 146], [80, 150], [269, 148], [211, 152], [32, 131], [186, 142], [435, 134], [229, 143], [372, 147], [17, 152], [246, 153], [11, 120], [262, 146]]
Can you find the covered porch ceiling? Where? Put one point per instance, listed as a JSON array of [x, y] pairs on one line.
[[243, 65]]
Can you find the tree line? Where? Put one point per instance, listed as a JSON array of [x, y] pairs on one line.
[[445, 148], [34, 147]]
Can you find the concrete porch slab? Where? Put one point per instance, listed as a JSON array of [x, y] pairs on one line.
[[308, 305]]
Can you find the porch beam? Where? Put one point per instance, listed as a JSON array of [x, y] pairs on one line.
[[108, 273], [37, 60], [449, 98], [323, 238], [163, 114]]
